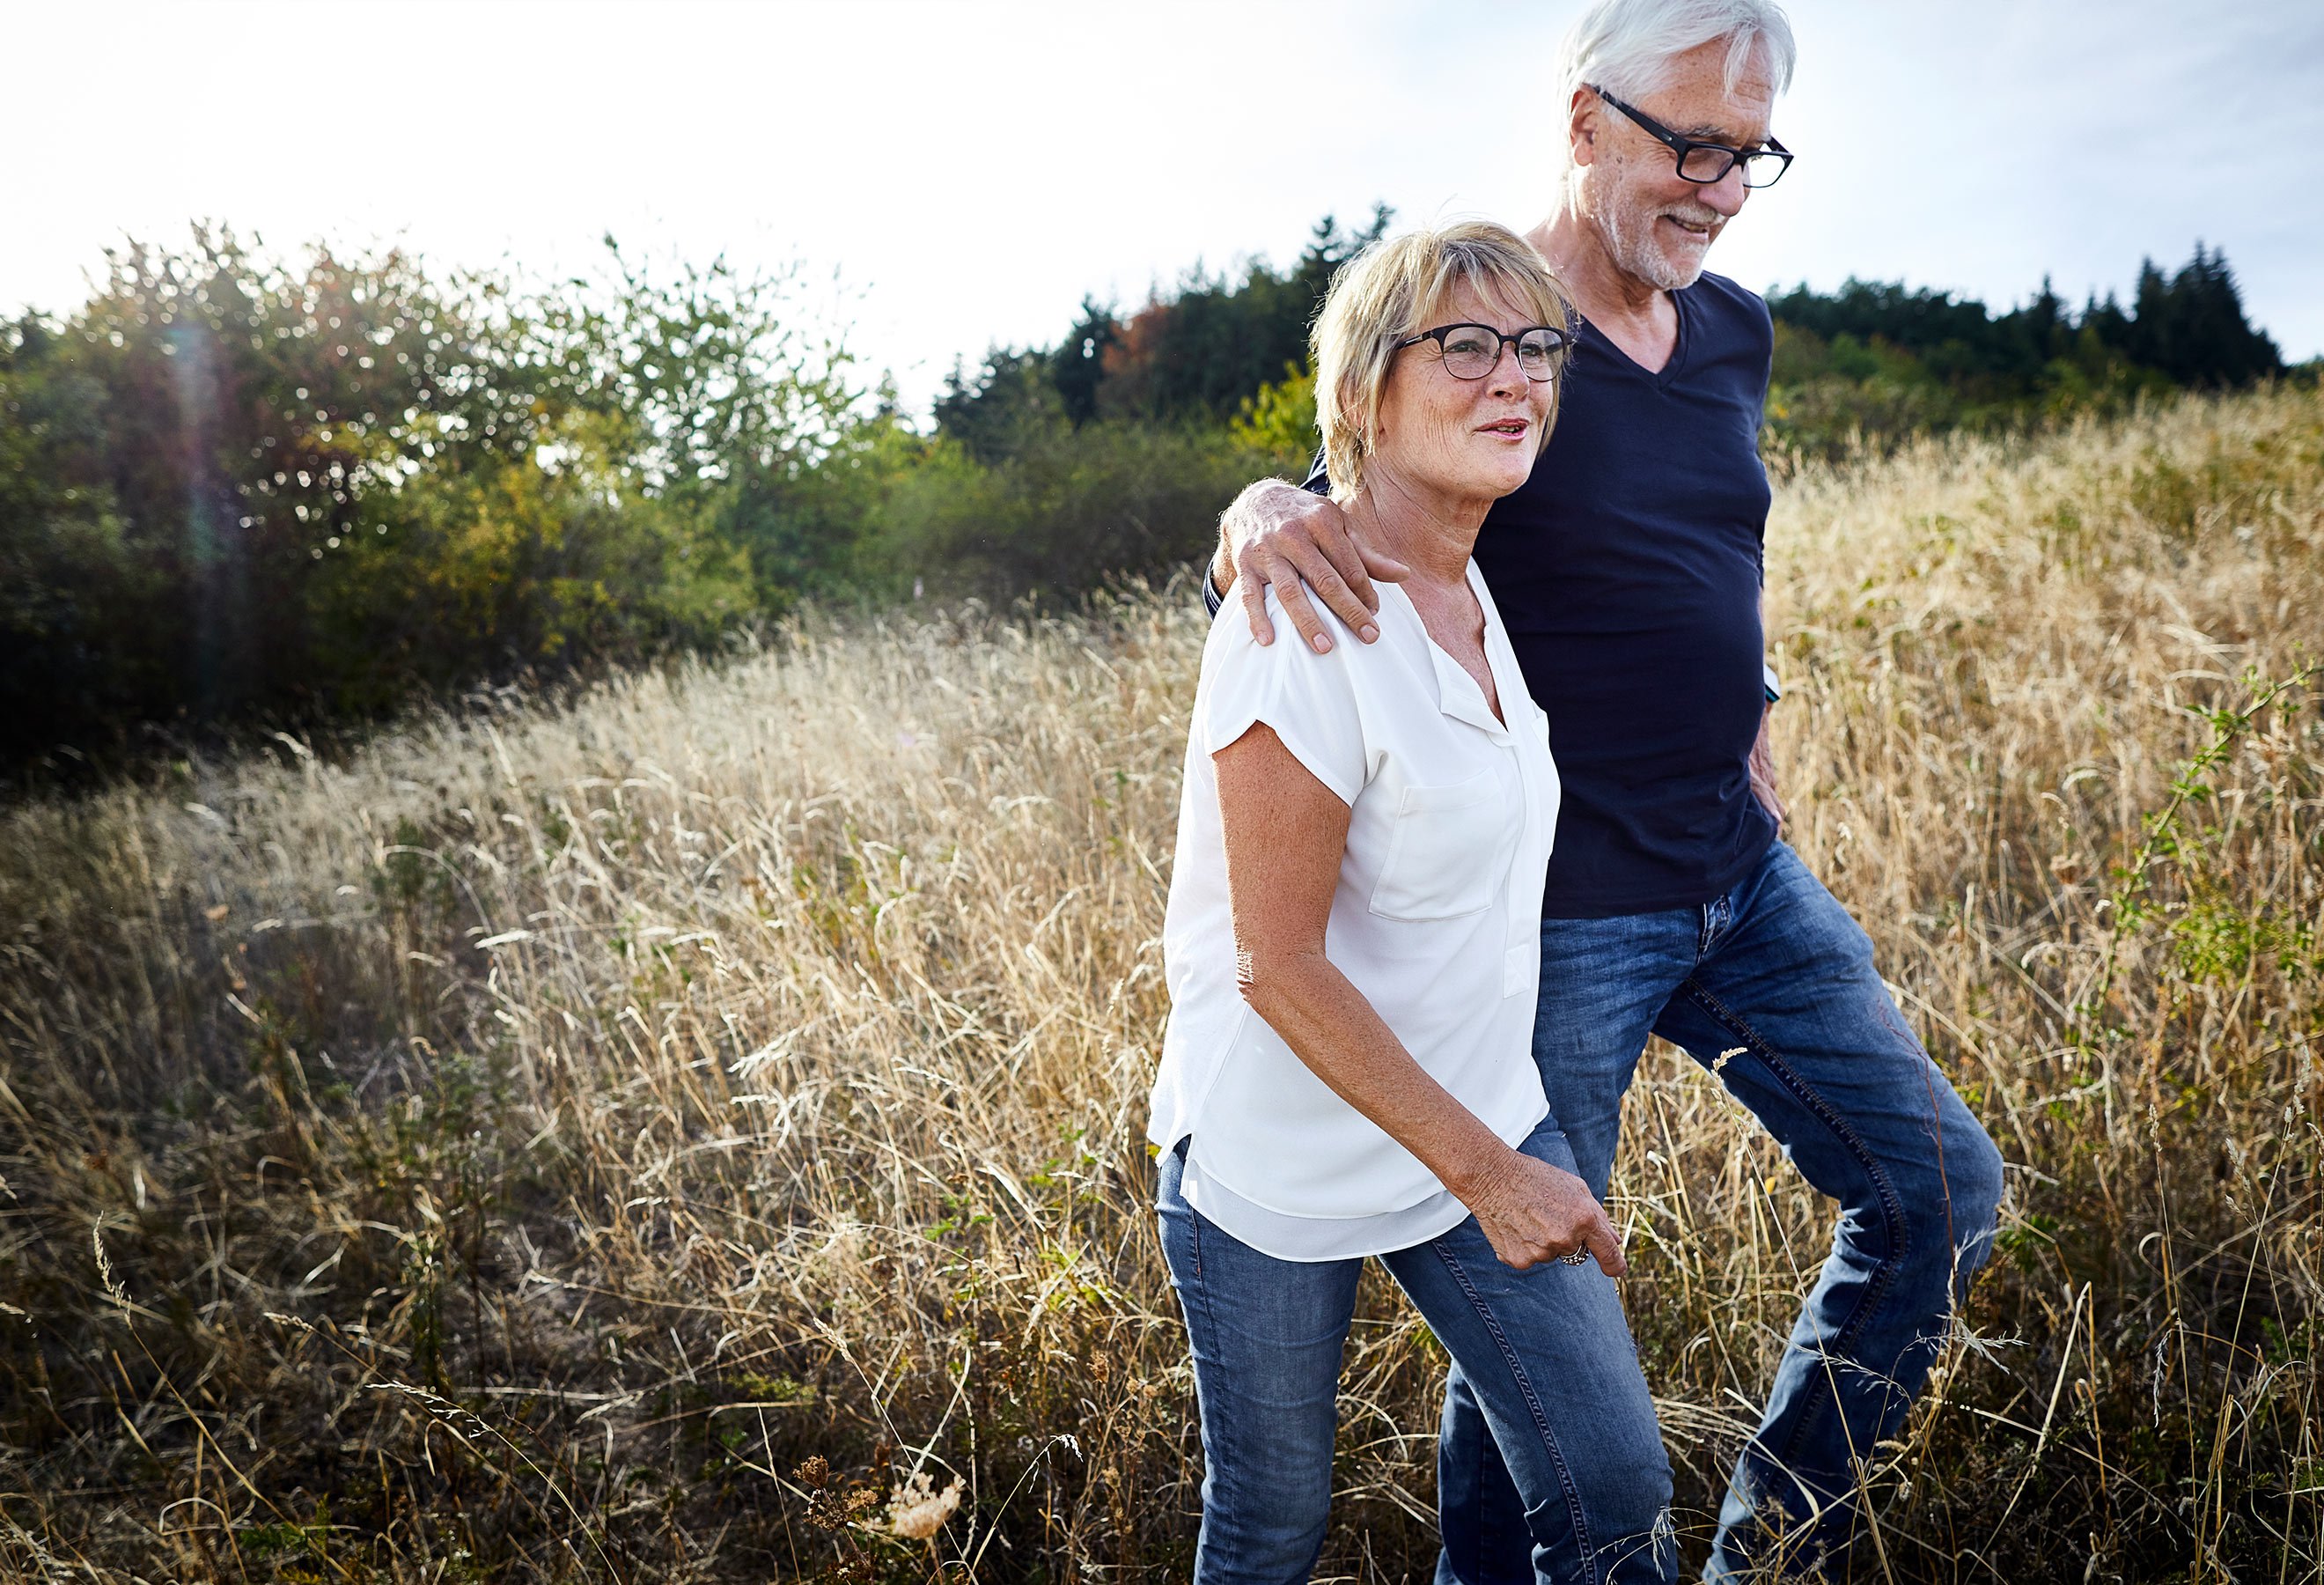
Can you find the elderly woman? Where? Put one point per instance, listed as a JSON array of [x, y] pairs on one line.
[[1352, 953]]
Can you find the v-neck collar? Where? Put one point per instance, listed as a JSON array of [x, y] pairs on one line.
[[1671, 365], [1457, 693]]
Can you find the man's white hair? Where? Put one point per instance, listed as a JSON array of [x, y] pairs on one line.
[[1626, 46]]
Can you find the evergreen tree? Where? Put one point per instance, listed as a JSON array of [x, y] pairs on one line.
[[1077, 367], [996, 411]]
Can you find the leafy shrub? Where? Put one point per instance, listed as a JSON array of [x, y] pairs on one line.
[[229, 488]]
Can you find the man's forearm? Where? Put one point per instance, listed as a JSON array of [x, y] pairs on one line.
[[1762, 768]]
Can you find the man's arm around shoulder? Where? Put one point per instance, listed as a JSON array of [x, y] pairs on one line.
[[1278, 535]]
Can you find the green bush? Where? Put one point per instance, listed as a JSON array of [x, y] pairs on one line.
[[1066, 510], [232, 489]]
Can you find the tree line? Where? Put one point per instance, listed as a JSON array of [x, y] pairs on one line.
[[1877, 361], [238, 491]]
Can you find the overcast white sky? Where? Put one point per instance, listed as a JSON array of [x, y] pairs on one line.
[[968, 171]]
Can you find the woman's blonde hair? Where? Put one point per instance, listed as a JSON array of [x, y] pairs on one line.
[[1389, 292]]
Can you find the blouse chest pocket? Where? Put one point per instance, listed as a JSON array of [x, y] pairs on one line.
[[1446, 853]]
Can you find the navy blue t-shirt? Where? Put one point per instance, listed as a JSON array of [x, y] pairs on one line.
[[1627, 571]]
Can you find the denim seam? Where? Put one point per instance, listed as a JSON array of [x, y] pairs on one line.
[[1202, 1295], [1584, 1547], [1884, 1271], [1194, 1243]]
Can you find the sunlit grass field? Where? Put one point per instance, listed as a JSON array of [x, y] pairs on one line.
[[698, 1134]]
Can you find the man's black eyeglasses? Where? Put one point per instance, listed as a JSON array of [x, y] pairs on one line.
[[1473, 351], [1704, 163]]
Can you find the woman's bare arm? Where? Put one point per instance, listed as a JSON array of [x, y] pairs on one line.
[[1285, 833]]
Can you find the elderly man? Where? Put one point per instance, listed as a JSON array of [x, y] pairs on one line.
[[1630, 569]]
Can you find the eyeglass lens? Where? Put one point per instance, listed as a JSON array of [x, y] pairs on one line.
[[1707, 163]]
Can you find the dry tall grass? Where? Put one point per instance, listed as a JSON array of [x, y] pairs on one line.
[[683, 1136]]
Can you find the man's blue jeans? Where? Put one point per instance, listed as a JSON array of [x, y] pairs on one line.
[[1777, 972], [1553, 1382]]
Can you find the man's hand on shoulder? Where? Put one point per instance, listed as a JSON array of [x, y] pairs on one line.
[[1278, 535]]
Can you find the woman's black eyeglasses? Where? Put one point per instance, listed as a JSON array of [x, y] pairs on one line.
[[1704, 163], [1473, 351]]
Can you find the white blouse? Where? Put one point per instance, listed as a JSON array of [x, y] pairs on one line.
[[1436, 920]]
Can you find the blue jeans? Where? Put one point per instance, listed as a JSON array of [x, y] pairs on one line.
[[1775, 971], [1555, 1382]]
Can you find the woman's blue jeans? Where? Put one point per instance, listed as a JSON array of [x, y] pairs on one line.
[[1546, 1354], [1772, 985]]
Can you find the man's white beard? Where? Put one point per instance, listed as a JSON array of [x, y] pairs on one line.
[[1631, 239]]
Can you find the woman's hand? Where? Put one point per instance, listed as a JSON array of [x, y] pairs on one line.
[[1532, 1212], [1278, 534]]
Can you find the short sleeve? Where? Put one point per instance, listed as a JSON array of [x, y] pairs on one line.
[[1309, 699]]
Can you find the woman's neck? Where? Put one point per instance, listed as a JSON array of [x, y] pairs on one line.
[[1430, 533]]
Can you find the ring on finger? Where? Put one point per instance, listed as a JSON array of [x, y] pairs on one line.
[[1574, 1257]]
